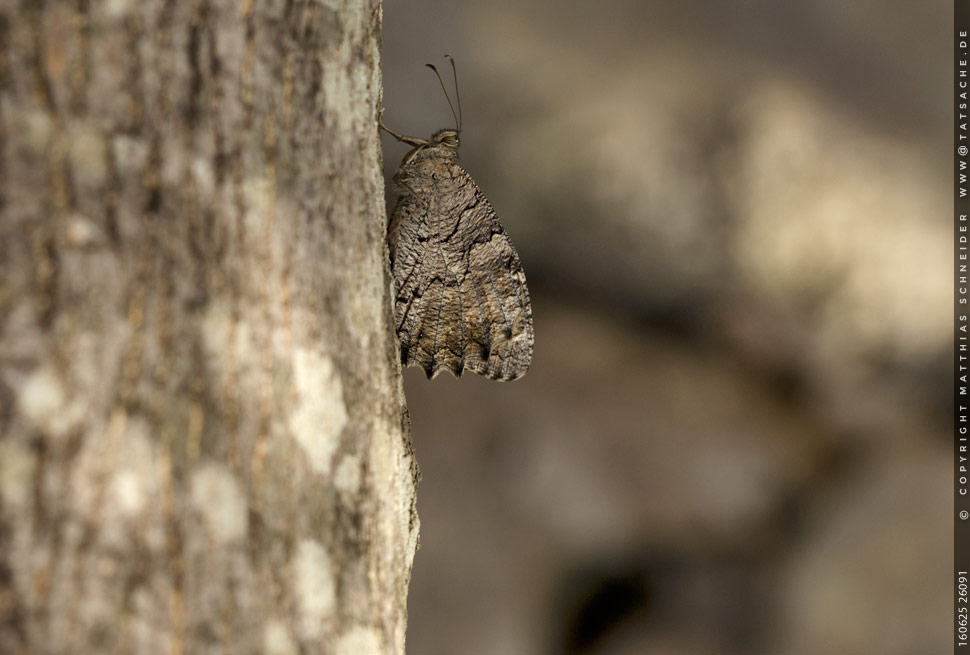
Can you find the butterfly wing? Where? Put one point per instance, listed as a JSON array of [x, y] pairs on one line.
[[461, 298]]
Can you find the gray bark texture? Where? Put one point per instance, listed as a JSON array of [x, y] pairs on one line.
[[204, 445]]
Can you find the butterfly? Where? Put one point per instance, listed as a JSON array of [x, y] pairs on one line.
[[461, 300]]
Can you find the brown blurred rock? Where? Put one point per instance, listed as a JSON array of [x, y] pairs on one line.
[[858, 583], [733, 226]]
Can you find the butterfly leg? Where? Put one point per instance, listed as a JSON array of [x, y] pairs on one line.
[[410, 140], [404, 186]]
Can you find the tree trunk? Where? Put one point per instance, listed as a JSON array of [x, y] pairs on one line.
[[205, 446]]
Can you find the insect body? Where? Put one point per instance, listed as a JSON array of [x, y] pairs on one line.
[[461, 300]]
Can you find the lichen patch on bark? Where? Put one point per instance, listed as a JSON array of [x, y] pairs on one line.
[[315, 589], [320, 414]]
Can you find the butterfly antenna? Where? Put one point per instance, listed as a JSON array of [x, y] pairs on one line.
[[431, 66], [457, 95]]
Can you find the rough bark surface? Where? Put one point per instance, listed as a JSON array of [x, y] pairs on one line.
[[205, 446]]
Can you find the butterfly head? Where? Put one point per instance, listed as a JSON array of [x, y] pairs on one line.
[[447, 137]]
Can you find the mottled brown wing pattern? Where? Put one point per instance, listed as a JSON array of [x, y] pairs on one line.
[[461, 298]]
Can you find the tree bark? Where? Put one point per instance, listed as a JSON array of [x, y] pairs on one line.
[[205, 445]]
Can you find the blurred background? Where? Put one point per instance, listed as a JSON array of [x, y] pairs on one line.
[[735, 223]]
